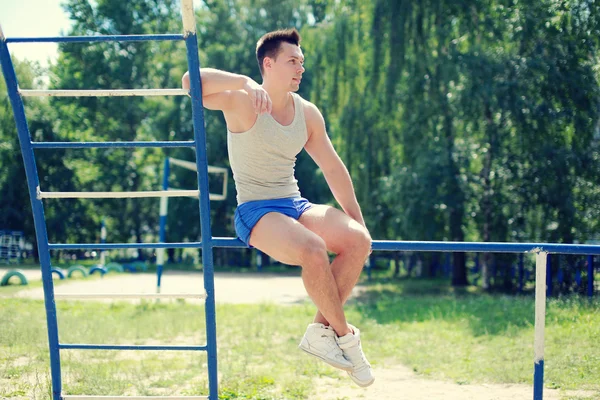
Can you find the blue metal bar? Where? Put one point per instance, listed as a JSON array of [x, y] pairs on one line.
[[590, 271], [378, 245], [128, 347], [38, 214], [549, 276], [538, 380], [99, 38], [191, 42], [162, 230], [109, 246], [521, 273], [486, 247], [94, 145], [228, 242]]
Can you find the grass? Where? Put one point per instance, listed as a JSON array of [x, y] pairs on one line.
[[464, 336]]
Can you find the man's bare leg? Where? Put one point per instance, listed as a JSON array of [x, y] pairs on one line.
[[346, 269], [352, 244], [288, 241], [345, 237]]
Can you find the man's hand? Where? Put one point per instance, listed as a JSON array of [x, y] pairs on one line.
[[259, 96]]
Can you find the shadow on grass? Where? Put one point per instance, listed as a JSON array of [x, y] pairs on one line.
[[399, 301]]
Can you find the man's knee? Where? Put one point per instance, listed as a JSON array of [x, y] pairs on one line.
[[359, 242], [313, 252]]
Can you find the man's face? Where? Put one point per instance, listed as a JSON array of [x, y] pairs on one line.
[[287, 68]]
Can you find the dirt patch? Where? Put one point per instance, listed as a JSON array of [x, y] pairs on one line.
[[401, 383], [229, 287]]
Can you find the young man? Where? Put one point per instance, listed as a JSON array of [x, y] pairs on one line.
[[267, 126]]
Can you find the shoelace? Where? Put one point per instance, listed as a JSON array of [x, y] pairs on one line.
[[330, 338], [355, 352]]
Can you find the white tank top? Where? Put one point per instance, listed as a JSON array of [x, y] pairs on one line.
[[263, 158]]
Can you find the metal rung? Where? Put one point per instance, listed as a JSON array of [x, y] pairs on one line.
[[129, 347], [228, 242], [129, 296], [67, 397], [111, 246], [92, 145], [117, 195], [98, 38], [103, 92]]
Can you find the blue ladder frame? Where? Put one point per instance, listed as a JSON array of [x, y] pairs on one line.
[[44, 247]]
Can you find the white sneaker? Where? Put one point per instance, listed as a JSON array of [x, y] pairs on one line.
[[361, 372], [320, 341]]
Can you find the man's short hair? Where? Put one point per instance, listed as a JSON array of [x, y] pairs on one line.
[[269, 45]]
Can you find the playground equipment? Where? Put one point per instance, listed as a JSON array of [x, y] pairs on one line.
[[37, 194], [11, 244], [59, 272], [114, 267], [164, 201], [79, 269], [541, 251], [13, 273]]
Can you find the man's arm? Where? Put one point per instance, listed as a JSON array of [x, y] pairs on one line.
[[220, 89], [336, 174]]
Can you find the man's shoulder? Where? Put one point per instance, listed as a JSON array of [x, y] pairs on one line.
[[310, 110]]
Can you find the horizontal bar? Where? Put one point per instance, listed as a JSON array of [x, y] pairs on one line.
[[103, 92], [97, 38], [128, 347], [486, 247], [117, 195], [93, 145], [192, 165], [110, 246], [378, 245], [87, 296], [78, 397], [228, 242]]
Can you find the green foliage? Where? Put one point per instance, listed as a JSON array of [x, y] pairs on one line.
[[457, 121]]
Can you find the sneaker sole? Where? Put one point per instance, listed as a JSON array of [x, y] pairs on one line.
[[361, 384], [328, 361]]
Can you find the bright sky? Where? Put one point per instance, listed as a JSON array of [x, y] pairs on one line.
[[27, 18], [33, 18]]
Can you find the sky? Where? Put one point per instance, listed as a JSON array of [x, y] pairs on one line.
[[33, 18], [26, 18]]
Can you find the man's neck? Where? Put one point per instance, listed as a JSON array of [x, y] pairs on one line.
[[279, 98]]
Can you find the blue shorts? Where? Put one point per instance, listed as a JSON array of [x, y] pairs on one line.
[[248, 214]]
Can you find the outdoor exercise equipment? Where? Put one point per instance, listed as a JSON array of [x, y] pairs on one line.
[[13, 273]]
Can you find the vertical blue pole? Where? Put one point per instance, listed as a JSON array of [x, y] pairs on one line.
[[162, 230], [541, 261], [521, 273], [590, 271], [38, 213], [103, 240], [191, 42], [258, 260], [549, 277]]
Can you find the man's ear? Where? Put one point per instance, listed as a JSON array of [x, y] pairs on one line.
[[267, 62]]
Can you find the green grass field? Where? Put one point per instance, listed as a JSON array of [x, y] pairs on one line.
[[463, 336]]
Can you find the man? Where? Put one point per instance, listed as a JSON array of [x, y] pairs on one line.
[[267, 126]]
